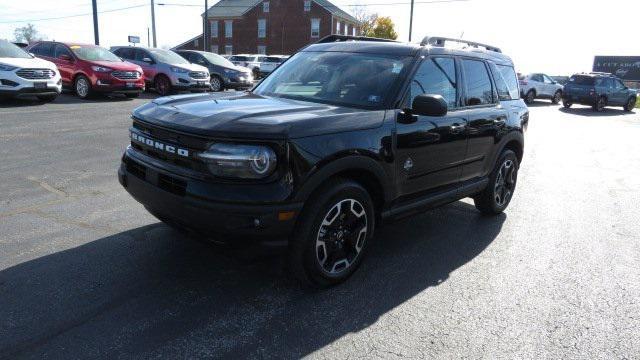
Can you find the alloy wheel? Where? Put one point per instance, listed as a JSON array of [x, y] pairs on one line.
[[341, 236], [82, 87], [505, 182], [215, 84], [162, 86]]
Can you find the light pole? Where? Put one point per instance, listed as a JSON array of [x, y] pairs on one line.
[[96, 36], [411, 21], [205, 42], [153, 24]]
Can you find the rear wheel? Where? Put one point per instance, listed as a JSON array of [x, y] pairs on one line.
[[600, 104], [47, 98], [332, 234], [556, 97], [82, 87], [495, 198], [163, 85], [567, 104], [631, 103], [530, 97]]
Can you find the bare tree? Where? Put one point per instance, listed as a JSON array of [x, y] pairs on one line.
[[365, 19], [27, 33]]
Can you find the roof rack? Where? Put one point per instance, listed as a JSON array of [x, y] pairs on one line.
[[600, 73], [339, 38], [440, 42]]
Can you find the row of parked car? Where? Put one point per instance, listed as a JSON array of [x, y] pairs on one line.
[[595, 89], [43, 68]]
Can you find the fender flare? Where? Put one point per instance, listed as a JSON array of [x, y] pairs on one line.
[[346, 163], [516, 136]]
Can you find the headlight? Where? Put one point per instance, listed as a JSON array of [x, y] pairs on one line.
[[179, 70], [101, 69], [5, 67], [240, 161]]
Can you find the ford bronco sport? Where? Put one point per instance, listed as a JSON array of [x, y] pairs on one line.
[[598, 90], [348, 133]]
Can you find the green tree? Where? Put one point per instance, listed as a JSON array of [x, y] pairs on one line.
[[27, 33], [376, 26]]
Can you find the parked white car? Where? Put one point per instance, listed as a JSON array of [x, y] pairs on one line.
[[250, 61], [23, 75], [270, 63], [539, 86]]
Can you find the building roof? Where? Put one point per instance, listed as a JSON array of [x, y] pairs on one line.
[[235, 8]]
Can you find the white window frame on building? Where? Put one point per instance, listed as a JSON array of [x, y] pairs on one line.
[[315, 21], [265, 6], [262, 49], [228, 28], [353, 31], [228, 49], [307, 5], [214, 29], [262, 31], [337, 27], [214, 49]]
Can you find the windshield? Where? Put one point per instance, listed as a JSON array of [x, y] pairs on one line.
[[582, 80], [167, 56], [350, 79], [94, 53], [9, 50], [216, 59]]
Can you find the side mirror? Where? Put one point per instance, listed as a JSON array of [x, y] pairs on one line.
[[429, 105], [64, 57], [147, 60]]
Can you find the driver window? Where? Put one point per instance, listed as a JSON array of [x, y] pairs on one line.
[[62, 50], [547, 80], [436, 75]]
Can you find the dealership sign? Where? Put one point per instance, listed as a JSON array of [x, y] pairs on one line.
[[134, 39], [624, 67]]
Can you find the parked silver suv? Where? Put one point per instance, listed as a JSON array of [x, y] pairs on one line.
[[165, 70], [539, 86]]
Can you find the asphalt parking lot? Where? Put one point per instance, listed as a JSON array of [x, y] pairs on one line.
[[86, 272]]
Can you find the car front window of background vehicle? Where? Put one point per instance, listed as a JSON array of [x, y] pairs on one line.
[[9, 50], [168, 57], [94, 53], [349, 79], [436, 75]]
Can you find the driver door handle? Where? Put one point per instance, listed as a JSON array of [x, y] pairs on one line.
[[457, 129]]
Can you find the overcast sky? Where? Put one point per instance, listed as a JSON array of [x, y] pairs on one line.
[[553, 36]]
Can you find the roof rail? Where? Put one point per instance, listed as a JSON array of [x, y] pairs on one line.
[[339, 38], [600, 73], [440, 42]]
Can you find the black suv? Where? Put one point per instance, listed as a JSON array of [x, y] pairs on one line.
[[348, 133], [224, 74]]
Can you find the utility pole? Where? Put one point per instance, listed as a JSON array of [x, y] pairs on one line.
[[95, 23], [205, 42], [411, 21], [148, 38], [153, 23]]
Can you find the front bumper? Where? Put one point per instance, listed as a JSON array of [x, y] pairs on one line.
[[181, 81], [13, 85], [182, 201]]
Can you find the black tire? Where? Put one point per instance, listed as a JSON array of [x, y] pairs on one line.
[[600, 104], [567, 104], [631, 103], [555, 100], [162, 84], [132, 96], [494, 199], [47, 98], [530, 97], [216, 83], [82, 87], [342, 203]]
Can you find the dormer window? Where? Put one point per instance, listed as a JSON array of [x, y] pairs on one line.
[[265, 6]]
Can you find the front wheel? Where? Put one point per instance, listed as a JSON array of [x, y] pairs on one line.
[[332, 234], [556, 97], [163, 85], [631, 103], [83, 87], [495, 198], [530, 97], [216, 83]]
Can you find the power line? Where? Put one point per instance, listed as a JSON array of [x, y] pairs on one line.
[[73, 16]]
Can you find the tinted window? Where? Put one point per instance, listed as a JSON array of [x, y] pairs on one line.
[[62, 50], [43, 49], [582, 80], [139, 54], [436, 76], [536, 77], [125, 53], [617, 84], [478, 83], [506, 82]]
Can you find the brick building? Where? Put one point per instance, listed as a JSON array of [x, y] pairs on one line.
[[270, 26]]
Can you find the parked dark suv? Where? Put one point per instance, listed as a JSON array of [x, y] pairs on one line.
[[224, 74], [348, 133], [598, 90]]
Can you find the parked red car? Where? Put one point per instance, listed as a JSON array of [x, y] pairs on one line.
[[90, 69]]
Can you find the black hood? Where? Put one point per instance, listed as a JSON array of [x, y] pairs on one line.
[[247, 115]]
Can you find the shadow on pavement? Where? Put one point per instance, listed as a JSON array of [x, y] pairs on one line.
[[150, 291], [588, 111]]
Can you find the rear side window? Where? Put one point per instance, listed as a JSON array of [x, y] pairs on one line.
[[436, 76], [506, 82], [43, 49], [478, 83], [582, 80]]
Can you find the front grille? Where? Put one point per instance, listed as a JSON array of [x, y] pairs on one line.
[[136, 169], [126, 75], [198, 75], [36, 74]]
